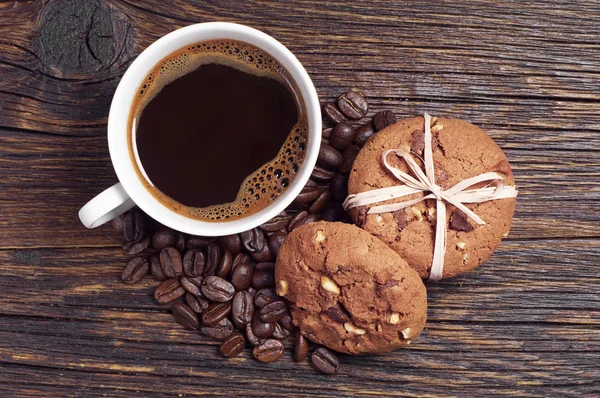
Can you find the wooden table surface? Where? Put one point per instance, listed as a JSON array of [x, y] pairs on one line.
[[526, 323]]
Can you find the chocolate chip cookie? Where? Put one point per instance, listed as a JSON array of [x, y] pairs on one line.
[[348, 290], [460, 150]]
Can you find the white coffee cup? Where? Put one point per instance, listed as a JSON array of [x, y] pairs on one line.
[[130, 190]]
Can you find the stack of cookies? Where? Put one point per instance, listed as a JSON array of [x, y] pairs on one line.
[[358, 289]]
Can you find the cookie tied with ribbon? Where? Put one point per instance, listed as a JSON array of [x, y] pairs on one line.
[[440, 192]]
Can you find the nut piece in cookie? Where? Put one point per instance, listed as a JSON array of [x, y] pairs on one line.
[[348, 290]]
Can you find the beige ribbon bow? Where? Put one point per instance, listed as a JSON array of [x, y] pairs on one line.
[[458, 195]]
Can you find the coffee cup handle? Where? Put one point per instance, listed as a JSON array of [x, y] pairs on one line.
[[107, 205]]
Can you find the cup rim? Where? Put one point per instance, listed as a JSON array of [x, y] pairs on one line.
[[123, 98]]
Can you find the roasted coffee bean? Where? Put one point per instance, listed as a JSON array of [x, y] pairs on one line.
[[217, 289], [280, 333], [134, 248], [306, 196], [241, 276], [185, 316], [242, 307], [342, 136], [270, 351], [180, 242], [233, 345], [329, 157], [215, 312], [238, 325], [233, 243], [326, 132], [169, 290], [332, 113], [321, 202], [163, 238], [136, 270], [363, 133], [349, 155], [241, 258], [353, 104], [339, 187], [261, 329], [265, 296], [196, 303], [118, 223], [193, 262], [333, 212], [274, 311], [321, 175], [301, 348], [295, 219], [263, 278], [156, 269], [134, 226], [225, 264], [171, 263], [287, 323], [213, 257], [253, 240], [218, 331], [198, 242], [192, 285], [252, 339], [276, 223], [312, 217], [383, 119], [275, 241], [263, 255], [252, 291], [325, 361], [265, 265]]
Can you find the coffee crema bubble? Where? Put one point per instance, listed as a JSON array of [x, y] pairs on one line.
[[179, 156]]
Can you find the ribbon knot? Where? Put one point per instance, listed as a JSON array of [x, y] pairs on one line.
[[424, 182]]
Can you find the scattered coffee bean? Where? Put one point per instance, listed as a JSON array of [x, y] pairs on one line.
[[136, 270], [163, 238], [263, 255], [180, 242], [197, 242], [156, 269], [185, 316], [215, 312], [271, 350], [265, 296], [193, 262], [322, 175], [295, 219], [134, 248], [233, 243], [263, 278], [333, 211], [233, 345], [325, 360], [287, 323], [321, 202], [276, 223], [253, 240], [252, 291], [306, 220], [241, 258], [118, 223], [329, 157], [241, 326], [349, 155], [225, 264], [265, 265], [363, 133], [171, 263], [192, 285], [196, 303], [332, 113], [353, 104], [301, 348], [383, 119], [275, 241], [339, 186], [169, 290], [252, 339], [213, 257], [280, 333], [218, 331], [273, 311], [241, 276], [326, 132], [342, 136], [261, 329], [134, 226], [217, 289], [306, 196], [242, 307]]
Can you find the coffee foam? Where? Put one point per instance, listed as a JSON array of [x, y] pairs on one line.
[[267, 183]]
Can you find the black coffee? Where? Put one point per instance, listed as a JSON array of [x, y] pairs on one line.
[[219, 130]]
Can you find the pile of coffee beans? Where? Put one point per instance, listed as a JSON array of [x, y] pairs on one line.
[[224, 287]]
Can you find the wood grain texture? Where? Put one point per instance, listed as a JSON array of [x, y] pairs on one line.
[[527, 323]]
